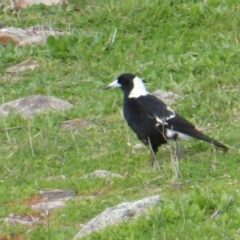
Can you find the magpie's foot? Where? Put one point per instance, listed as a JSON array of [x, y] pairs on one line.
[[155, 164], [175, 165]]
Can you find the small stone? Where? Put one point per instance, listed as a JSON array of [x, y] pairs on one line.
[[58, 194], [46, 206], [25, 3], [215, 214], [53, 178], [138, 146], [102, 174], [23, 66], [12, 218], [231, 197]]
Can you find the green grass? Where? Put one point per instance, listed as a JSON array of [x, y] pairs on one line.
[[188, 47]]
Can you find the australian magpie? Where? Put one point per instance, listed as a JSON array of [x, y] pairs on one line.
[[151, 119]]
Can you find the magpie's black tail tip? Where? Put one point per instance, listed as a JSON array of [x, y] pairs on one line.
[[221, 145], [201, 136], [225, 149]]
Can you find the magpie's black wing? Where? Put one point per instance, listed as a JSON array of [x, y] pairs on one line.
[[164, 115], [155, 108]]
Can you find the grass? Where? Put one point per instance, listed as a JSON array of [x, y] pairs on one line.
[[190, 48]]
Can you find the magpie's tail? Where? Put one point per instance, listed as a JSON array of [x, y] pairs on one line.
[[202, 136]]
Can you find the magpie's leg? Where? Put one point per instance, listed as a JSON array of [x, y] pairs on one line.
[[154, 150], [176, 156], [155, 162], [177, 149]]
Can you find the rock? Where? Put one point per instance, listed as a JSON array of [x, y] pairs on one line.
[[30, 106], [102, 174], [25, 3], [5, 38], [58, 194], [10, 78], [23, 66], [54, 178], [138, 146], [121, 213], [167, 97], [47, 206], [22, 220], [215, 214], [32, 35], [53, 199]]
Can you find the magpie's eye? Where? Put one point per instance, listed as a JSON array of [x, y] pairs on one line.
[[123, 81]]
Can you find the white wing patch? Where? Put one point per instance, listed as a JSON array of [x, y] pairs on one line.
[[170, 133], [172, 115], [163, 121], [138, 88], [160, 121]]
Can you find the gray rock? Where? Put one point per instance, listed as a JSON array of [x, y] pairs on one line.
[[167, 97], [54, 178], [47, 206], [30, 106], [103, 174], [22, 220], [23, 66], [53, 199], [121, 213], [25, 3], [58, 194], [31, 36]]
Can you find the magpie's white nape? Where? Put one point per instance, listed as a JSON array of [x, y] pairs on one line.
[[152, 120]]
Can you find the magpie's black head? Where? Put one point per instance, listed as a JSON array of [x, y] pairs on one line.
[[132, 85], [124, 81]]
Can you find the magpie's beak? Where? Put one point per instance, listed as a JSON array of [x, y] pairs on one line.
[[114, 84]]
